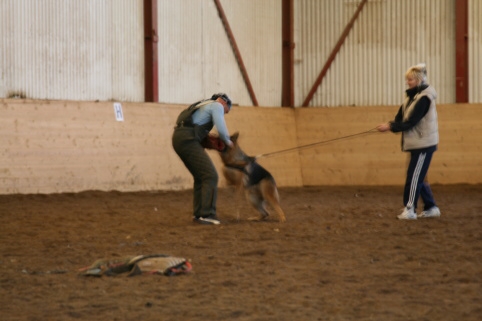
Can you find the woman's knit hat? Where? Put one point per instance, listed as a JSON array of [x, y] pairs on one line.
[[418, 71]]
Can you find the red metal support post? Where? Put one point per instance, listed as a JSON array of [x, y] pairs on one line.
[[287, 86], [151, 76], [461, 51], [333, 54], [237, 54]]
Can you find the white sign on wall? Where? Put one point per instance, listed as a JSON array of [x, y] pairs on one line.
[[119, 115]]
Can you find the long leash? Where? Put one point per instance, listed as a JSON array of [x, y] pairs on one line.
[[370, 131]]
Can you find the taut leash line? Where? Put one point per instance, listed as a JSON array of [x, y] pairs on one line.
[[371, 131]]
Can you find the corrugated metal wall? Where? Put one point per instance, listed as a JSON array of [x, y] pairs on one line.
[[196, 58], [388, 37], [475, 51], [88, 50], [76, 50]]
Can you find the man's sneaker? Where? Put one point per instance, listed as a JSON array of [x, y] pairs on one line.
[[407, 214], [431, 212], [208, 220]]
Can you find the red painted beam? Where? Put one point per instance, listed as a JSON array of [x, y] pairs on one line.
[[287, 86], [237, 54], [461, 51], [333, 54], [151, 77]]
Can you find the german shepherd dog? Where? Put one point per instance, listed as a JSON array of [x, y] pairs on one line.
[[244, 172]]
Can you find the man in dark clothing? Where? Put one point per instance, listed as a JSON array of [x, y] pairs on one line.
[[192, 128]]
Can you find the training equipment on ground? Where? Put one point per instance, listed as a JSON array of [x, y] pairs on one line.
[[136, 265]]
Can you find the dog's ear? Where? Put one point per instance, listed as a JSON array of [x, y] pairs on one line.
[[234, 137]]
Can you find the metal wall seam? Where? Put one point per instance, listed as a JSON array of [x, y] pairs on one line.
[[475, 51]]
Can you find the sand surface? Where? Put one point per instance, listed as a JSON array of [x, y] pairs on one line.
[[341, 255]]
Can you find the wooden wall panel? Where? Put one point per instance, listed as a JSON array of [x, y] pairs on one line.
[[459, 158], [376, 159], [68, 146], [65, 146], [359, 160], [57, 146]]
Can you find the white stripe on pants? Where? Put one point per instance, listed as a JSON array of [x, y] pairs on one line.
[[415, 178]]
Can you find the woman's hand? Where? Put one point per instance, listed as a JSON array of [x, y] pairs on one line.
[[383, 127]]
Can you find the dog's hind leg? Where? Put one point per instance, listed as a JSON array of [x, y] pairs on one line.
[[270, 194], [279, 211], [255, 198]]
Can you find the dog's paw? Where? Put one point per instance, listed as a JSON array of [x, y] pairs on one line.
[[258, 218]]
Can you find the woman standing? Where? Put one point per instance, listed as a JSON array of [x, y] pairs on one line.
[[417, 120]]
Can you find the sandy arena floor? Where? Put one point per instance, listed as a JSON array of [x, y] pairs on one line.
[[341, 255]]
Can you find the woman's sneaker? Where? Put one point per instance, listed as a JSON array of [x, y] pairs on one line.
[[208, 220], [407, 214], [431, 212]]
